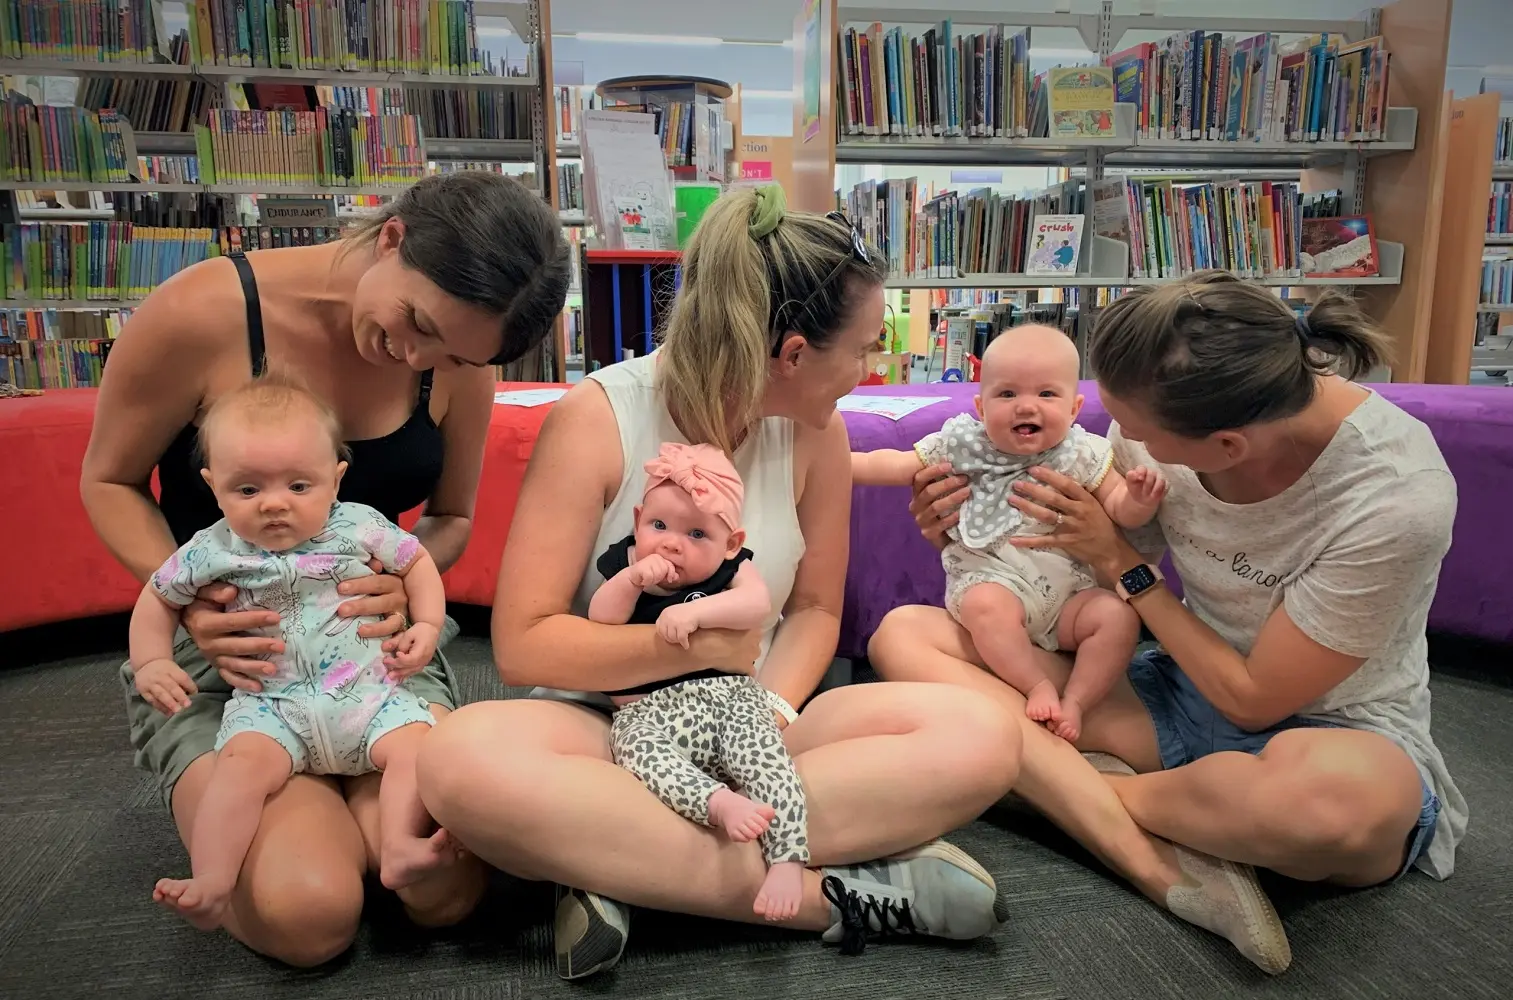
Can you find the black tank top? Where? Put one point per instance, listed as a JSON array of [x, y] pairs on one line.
[[393, 473], [649, 607]]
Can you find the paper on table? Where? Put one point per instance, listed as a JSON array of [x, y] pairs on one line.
[[527, 397], [892, 407]]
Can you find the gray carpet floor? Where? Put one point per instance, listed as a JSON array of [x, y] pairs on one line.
[[82, 839]]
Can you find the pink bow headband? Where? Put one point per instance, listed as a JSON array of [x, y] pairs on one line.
[[705, 473]]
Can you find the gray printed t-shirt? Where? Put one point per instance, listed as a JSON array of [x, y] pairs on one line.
[[1352, 550]]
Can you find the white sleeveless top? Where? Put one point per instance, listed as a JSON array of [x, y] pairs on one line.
[[764, 461]]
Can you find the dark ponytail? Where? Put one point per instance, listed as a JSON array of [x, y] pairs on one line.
[[1212, 352]]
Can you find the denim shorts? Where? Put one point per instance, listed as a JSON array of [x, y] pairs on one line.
[[1188, 727]]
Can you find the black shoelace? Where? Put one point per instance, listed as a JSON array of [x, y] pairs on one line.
[[857, 910]]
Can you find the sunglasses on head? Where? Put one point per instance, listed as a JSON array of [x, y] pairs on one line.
[[781, 317]]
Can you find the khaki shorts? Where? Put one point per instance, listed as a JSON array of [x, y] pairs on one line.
[[166, 745]]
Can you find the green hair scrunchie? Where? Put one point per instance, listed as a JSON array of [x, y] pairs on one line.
[[771, 204]]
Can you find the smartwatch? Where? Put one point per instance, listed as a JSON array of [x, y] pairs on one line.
[[1132, 583]]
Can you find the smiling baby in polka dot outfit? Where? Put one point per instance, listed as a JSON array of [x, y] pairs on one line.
[[1009, 597]]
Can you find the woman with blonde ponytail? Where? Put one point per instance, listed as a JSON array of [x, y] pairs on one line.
[[772, 324]]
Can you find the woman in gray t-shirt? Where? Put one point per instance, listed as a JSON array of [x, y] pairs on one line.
[[1284, 720]]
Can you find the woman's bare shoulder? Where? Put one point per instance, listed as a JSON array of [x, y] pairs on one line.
[[817, 449], [200, 306], [581, 430]]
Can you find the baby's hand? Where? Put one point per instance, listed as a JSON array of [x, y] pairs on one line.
[[1146, 486], [677, 623], [653, 571], [164, 685], [415, 647]]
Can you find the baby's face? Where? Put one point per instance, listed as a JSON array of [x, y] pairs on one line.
[[1029, 392], [696, 543], [274, 482]]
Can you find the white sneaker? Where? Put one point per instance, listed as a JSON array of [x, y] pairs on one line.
[[936, 889], [589, 932]]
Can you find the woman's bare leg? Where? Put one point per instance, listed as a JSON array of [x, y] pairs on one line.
[[444, 896], [529, 786], [923, 643], [300, 892], [1315, 804]]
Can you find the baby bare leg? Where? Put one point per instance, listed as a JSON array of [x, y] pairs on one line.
[[407, 847], [248, 769], [1103, 630], [995, 617]]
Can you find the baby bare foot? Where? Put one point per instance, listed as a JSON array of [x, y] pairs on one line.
[[740, 818], [1042, 704], [1070, 726], [781, 891], [198, 900], [403, 861]]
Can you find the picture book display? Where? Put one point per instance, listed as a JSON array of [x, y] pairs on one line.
[[1343, 247], [1081, 102], [1055, 242]]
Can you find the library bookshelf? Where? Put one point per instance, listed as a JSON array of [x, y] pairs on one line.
[[1401, 191], [529, 20]]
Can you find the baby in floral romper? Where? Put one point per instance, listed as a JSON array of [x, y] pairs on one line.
[[336, 704]]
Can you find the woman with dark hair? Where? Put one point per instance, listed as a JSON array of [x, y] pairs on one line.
[[771, 326], [1284, 720], [397, 327]]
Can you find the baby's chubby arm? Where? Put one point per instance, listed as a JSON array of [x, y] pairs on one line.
[[161, 682], [427, 598], [887, 467], [1132, 498], [613, 602], [744, 605]]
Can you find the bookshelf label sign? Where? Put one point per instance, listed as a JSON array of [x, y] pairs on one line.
[[756, 170], [296, 212]]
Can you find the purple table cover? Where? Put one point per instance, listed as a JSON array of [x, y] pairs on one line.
[[892, 565]]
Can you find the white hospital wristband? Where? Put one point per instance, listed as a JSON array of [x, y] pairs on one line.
[[780, 706]]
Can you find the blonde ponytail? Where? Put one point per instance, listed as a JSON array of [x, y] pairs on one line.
[[714, 350], [750, 260]]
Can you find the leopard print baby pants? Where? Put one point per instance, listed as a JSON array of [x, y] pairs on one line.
[[684, 742]]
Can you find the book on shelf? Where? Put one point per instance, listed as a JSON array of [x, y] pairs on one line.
[[445, 112], [37, 363], [1338, 247], [150, 105], [1250, 228], [1080, 102], [97, 260], [63, 144], [1502, 151], [925, 234], [333, 147], [940, 83], [75, 31], [1497, 280], [387, 36], [232, 239], [1500, 209], [1207, 85], [1055, 242]]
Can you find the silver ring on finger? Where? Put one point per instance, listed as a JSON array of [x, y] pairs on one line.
[[1059, 518]]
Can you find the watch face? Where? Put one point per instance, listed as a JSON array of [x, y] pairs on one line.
[[1139, 579]]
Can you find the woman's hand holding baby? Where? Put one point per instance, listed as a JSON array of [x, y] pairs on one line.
[[218, 634], [164, 685], [380, 595]]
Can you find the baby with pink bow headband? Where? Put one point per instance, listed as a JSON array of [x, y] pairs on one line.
[[685, 568]]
